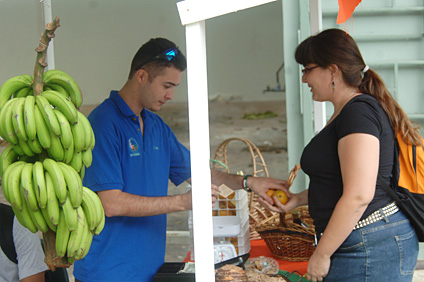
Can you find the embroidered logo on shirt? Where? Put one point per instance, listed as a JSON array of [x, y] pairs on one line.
[[133, 147]]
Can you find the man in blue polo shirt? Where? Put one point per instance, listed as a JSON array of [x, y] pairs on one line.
[[135, 155]]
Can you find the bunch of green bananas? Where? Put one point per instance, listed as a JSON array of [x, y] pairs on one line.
[[50, 145], [49, 121]]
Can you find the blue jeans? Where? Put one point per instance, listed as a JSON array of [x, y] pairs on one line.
[[382, 251]]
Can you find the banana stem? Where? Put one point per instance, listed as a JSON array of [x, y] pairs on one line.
[[52, 259], [40, 63]]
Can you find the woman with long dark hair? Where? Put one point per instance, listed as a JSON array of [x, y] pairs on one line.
[[362, 235]]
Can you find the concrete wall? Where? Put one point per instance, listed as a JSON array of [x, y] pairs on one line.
[[98, 38]]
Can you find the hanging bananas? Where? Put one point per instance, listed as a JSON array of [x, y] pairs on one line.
[[50, 144]]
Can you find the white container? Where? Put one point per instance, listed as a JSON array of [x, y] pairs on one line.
[[231, 223]]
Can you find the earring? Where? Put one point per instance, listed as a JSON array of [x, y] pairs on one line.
[[334, 86]]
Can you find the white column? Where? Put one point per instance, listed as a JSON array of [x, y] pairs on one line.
[[316, 26], [46, 17], [200, 151]]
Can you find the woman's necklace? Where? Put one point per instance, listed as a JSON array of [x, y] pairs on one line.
[[347, 99]]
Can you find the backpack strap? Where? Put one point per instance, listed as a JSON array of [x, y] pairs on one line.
[[6, 234], [388, 189]]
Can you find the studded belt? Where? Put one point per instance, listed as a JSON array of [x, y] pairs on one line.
[[378, 215]]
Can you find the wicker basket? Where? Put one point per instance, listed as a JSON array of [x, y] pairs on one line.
[[257, 213], [286, 239]]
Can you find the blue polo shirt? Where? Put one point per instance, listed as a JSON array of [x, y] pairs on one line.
[[130, 248]]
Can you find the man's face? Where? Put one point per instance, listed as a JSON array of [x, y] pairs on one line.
[[161, 89]]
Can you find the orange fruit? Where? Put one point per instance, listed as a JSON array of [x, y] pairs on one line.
[[281, 195], [270, 192]]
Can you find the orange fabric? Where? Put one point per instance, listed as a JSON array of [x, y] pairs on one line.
[[408, 179], [259, 248], [346, 8]]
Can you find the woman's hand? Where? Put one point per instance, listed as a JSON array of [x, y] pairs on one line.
[[318, 267], [294, 200]]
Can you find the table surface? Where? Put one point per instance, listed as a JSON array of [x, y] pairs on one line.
[[259, 248]]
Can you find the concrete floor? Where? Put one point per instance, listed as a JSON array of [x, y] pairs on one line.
[[226, 121]]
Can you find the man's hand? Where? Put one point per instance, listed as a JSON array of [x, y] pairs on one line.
[[214, 191], [261, 185]]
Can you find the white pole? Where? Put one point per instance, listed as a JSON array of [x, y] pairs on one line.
[[200, 151], [316, 26], [47, 18]]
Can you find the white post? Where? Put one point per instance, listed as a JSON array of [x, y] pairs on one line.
[[200, 151], [316, 26], [47, 18]]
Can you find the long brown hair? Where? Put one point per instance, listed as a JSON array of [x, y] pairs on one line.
[[335, 46]]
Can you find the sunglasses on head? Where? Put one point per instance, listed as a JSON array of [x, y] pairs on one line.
[[167, 55]]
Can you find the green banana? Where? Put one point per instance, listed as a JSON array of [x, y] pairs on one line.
[[58, 179], [26, 148], [100, 213], [69, 153], [12, 85], [53, 208], [71, 216], [38, 220], [61, 104], [85, 243], [35, 146], [13, 183], [88, 205], [29, 118], [6, 124], [21, 218], [17, 148], [87, 130], [29, 78], [58, 88], [48, 221], [18, 119], [73, 183], [62, 236], [87, 157], [5, 178], [82, 172], [79, 135], [66, 81], [8, 156], [46, 111], [25, 216], [56, 150], [22, 93], [39, 184], [43, 132], [93, 138], [101, 225], [66, 136], [77, 234], [76, 161], [28, 188]]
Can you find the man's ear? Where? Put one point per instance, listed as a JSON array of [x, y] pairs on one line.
[[141, 75]]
